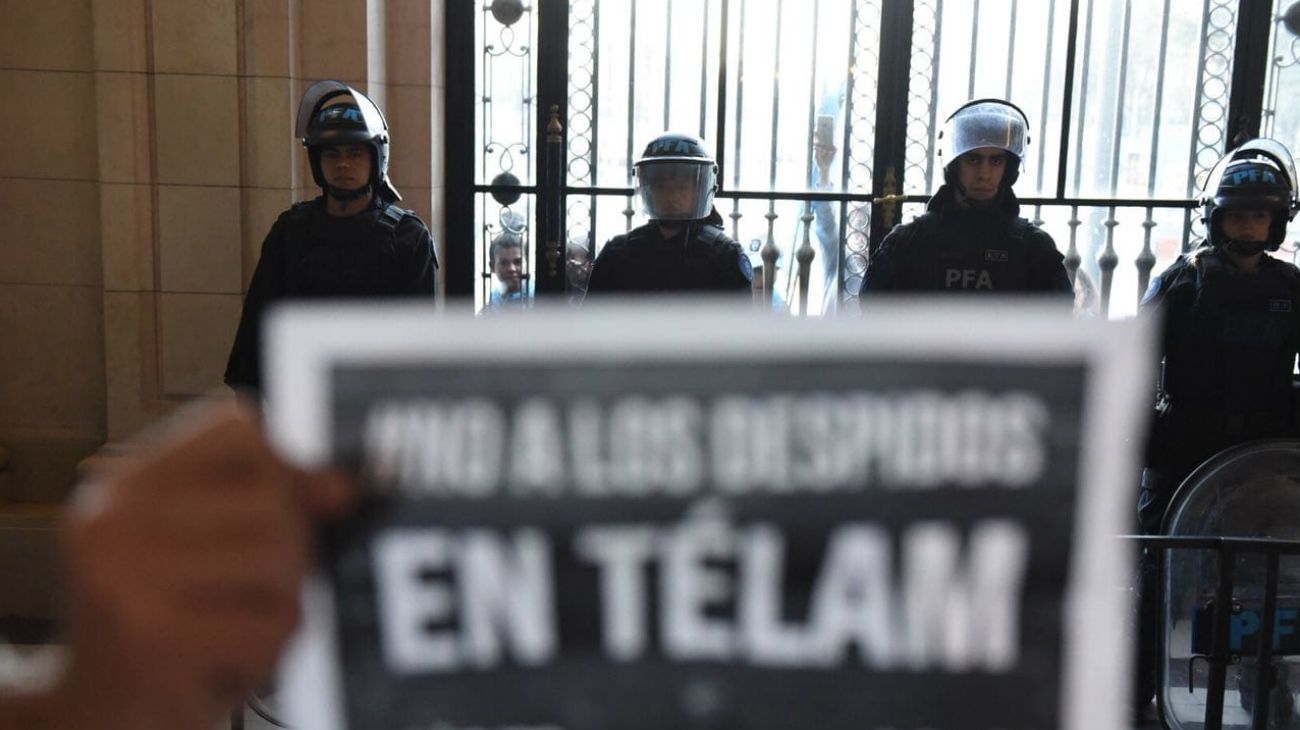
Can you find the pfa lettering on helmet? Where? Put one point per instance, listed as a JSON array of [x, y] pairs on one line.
[[676, 178], [1254, 175], [1257, 176], [333, 113], [672, 146]]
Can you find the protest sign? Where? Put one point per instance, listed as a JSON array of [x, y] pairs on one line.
[[656, 517]]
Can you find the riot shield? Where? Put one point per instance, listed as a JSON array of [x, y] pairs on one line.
[[1248, 491]]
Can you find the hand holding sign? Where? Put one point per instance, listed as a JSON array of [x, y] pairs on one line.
[[184, 563]]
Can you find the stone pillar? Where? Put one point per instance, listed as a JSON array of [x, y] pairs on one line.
[[51, 312], [197, 158]]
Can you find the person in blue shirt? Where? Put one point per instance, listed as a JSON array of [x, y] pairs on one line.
[[506, 262]]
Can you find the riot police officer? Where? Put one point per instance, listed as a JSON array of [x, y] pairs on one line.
[[1230, 334], [971, 237], [683, 247], [351, 241], [1231, 324]]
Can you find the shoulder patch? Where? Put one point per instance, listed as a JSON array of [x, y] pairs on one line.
[[392, 215], [746, 268], [1153, 288]]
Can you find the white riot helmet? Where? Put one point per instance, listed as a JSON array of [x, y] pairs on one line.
[[676, 178], [984, 123]]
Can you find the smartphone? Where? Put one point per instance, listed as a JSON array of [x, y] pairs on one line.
[[825, 131]]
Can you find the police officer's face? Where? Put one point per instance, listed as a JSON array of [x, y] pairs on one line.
[[508, 265], [674, 197], [346, 167], [980, 172], [1247, 225]]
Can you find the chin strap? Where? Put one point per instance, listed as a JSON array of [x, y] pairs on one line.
[[971, 203], [347, 196], [1245, 248]]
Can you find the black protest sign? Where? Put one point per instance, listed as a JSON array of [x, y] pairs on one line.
[[870, 540]]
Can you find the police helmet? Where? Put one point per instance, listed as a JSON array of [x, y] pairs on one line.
[[676, 178], [984, 123], [333, 113], [1258, 175]]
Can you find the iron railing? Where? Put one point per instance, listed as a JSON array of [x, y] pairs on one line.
[[1220, 656], [1093, 105]]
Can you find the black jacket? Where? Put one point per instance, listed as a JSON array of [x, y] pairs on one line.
[[978, 250], [1229, 340], [384, 251], [699, 258]]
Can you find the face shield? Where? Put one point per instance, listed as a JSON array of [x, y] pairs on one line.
[[366, 118], [675, 190], [984, 124]]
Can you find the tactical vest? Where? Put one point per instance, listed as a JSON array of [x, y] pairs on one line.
[[720, 254], [996, 264], [1242, 333], [313, 270]]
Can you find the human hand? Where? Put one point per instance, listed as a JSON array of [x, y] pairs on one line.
[[184, 565], [824, 155]]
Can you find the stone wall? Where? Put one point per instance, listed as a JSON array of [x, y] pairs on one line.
[[149, 148]]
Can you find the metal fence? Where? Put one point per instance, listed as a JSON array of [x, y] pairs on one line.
[[1128, 102], [1225, 603]]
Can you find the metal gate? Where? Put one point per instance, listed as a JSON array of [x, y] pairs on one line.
[[1130, 103]]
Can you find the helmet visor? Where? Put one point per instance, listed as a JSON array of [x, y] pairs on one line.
[[318, 96], [1262, 149], [987, 124], [675, 190]]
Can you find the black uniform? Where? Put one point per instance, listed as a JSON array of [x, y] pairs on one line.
[[384, 251], [701, 257], [1230, 340], [972, 249]]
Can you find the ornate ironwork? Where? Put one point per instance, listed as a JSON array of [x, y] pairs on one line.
[[769, 268], [1213, 86], [1146, 259], [1107, 261], [890, 199], [1072, 257], [584, 80], [507, 29], [804, 256], [923, 95], [630, 209], [554, 138], [735, 215], [1284, 54], [507, 12], [859, 143]]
